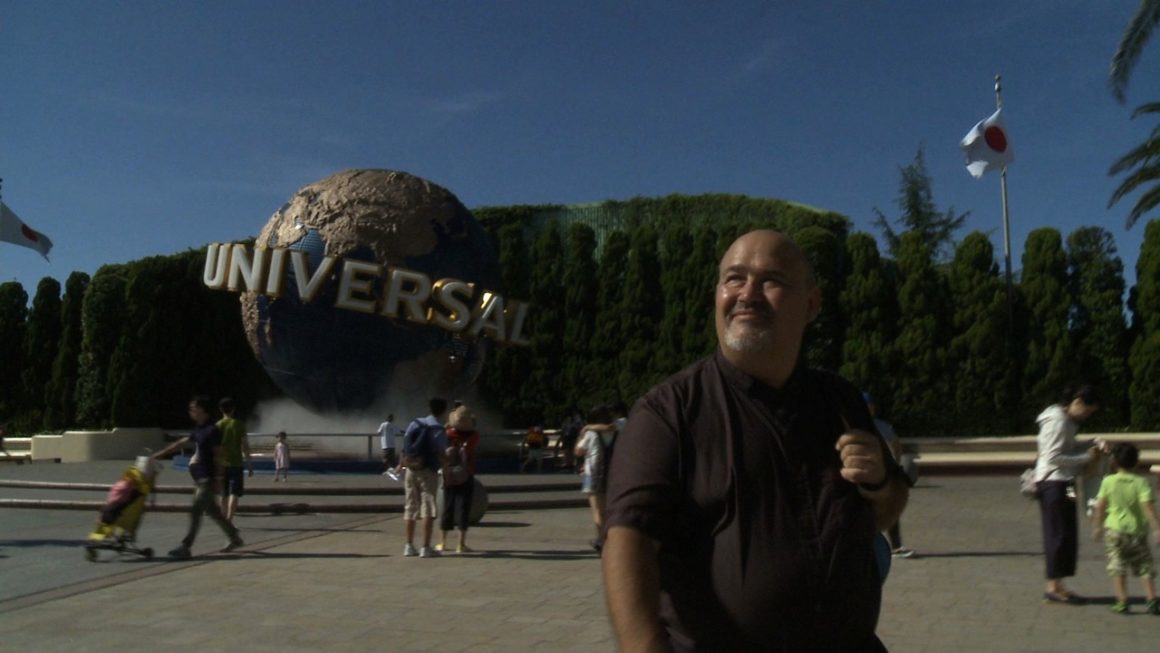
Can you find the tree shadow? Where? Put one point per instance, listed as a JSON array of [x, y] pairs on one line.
[[28, 544], [501, 524], [320, 529]]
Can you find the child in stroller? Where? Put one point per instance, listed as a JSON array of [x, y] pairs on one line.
[[117, 524]]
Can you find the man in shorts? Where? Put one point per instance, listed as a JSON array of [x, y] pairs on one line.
[[424, 445]]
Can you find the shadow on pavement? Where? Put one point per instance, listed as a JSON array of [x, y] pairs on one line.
[[539, 555], [26, 544], [501, 524], [980, 554]]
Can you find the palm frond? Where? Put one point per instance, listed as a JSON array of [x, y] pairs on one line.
[[1143, 175], [1131, 45], [1143, 152], [1150, 107], [1147, 202]]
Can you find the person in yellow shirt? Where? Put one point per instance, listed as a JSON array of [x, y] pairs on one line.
[[1124, 501], [235, 444]]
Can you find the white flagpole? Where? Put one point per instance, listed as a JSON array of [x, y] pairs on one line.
[[1006, 224]]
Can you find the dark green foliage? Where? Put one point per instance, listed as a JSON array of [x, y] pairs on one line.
[[1144, 392], [60, 396], [822, 347], [642, 310], [1050, 350], [919, 214], [546, 327], [101, 319], [13, 317], [922, 388], [1096, 277], [870, 302], [984, 376], [578, 374], [610, 335], [504, 379], [699, 331], [41, 340]]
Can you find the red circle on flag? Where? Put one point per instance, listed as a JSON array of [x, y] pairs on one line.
[[996, 139], [28, 233]]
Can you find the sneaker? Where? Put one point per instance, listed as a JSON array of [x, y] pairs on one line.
[[902, 552], [409, 550], [463, 548], [439, 547], [1152, 607], [1119, 607], [235, 543], [428, 552], [181, 553]]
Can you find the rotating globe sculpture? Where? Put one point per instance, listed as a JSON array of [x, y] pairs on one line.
[[330, 358]]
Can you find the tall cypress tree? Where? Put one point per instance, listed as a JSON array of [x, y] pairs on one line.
[[1144, 362], [546, 326], [698, 332], [60, 397], [41, 341], [13, 318], [102, 320], [1050, 360], [922, 390], [985, 381], [677, 281], [578, 373], [1096, 275], [822, 347], [505, 372], [642, 308], [870, 302], [610, 336]]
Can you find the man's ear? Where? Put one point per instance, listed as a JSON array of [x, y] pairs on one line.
[[814, 304]]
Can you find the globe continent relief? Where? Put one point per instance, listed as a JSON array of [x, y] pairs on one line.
[[331, 359]]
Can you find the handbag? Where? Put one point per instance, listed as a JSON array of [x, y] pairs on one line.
[[1028, 484]]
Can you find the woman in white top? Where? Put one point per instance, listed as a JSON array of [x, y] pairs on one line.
[[592, 449], [1060, 461]]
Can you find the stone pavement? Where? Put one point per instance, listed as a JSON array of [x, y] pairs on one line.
[[343, 585]]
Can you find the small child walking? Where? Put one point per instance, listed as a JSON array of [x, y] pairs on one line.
[[281, 458], [1124, 501]]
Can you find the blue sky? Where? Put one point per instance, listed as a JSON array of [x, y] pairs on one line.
[[129, 129]]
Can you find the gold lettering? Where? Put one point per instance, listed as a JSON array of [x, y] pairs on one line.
[[491, 317], [419, 291], [448, 293], [355, 279]]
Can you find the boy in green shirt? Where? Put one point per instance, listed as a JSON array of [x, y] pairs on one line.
[[1125, 499], [234, 445]]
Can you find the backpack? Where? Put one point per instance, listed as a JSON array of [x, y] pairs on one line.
[[419, 444], [457, 472]]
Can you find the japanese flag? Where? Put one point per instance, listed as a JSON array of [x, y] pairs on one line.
[[13, 230], [986, 146]]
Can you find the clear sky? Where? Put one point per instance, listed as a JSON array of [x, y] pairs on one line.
[[129, 129]]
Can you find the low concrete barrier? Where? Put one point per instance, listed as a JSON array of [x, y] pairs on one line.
[[84, 446]]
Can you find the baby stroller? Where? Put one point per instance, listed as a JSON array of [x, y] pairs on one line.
[[117, 526]]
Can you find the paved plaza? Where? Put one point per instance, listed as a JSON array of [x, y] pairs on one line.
[[339, 583]]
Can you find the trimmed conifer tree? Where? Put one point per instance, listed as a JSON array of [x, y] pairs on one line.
[[546, 326], [41, 342], [870, 303], [1144, 362], [102, 321], [822, 347], [985, 379], [642, 308], [1050, 362], [13, 318], [578, 374], [1096, 276], [60, 397], [610, 336], [922, 391]]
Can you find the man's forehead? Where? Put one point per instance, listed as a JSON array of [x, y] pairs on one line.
[[763, 250]]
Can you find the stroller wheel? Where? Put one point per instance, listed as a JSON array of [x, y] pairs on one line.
[[147, 552], [90, 554]]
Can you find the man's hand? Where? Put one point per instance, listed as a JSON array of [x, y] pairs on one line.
[[861, 453]]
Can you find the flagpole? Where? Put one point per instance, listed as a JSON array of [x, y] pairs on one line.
[[1006, 223]]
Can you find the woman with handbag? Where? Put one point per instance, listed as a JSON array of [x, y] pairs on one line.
[[1059, 461]]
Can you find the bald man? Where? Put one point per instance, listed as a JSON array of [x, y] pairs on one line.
[[747, 489]]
